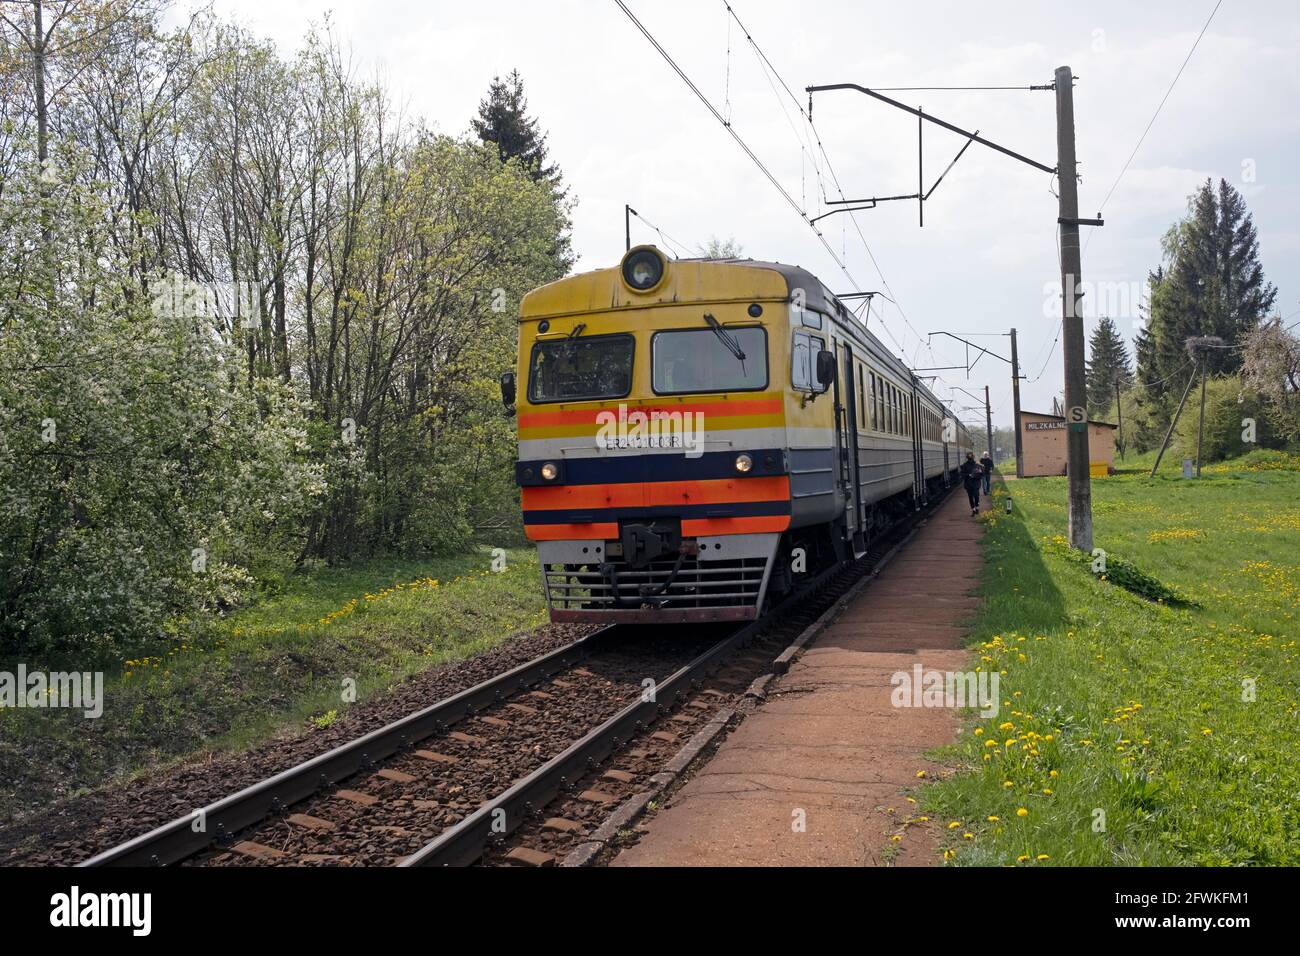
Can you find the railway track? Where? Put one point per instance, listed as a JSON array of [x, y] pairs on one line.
[[519, 769]]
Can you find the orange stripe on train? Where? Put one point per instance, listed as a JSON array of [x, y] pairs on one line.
[[656, 494], [691, 527], [572, 532], [584, 416]]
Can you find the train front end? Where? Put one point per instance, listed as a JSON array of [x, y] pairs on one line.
[[652, 444]]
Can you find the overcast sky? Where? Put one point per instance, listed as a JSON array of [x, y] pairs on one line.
[[624, 128]]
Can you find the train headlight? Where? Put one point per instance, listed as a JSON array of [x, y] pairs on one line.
[[549, 471], [643, 268], [744, 463]]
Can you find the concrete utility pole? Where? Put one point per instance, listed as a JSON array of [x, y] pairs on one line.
[[988, 420], [1072, 345], [1015, 405]]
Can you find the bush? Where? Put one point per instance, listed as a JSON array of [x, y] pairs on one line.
[[139, 476], [1228, 404]]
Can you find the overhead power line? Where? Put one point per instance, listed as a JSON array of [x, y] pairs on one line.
[[739, 141], [1163, 99], [675, 245], [820, 148]]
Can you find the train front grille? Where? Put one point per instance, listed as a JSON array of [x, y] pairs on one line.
[[661, 584]]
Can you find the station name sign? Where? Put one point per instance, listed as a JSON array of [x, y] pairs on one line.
[[1043, 426]]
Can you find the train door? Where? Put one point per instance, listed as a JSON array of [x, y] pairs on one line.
[[847, 419], [918, 463], [943, 434]]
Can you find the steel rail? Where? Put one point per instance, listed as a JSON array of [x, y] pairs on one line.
[[219, 821], [463, 843]]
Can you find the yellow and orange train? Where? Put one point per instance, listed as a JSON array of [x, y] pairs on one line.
[[697, 435]]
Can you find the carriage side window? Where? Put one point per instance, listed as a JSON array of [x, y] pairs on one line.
[[803, 362], [699, 360], [862, 402], [581, 369]]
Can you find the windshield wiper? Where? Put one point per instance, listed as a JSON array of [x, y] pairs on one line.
[[725, 337]]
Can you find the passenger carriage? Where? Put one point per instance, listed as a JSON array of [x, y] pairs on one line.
[[696, 436]]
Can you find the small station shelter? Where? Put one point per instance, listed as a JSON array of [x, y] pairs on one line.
[[1043, 442]]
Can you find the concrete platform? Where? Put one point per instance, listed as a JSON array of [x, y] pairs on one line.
[[809, 778]]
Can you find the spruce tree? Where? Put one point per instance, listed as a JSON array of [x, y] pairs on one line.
[[1108, 365], [1213, 283], [1144, 344], [503, 120]]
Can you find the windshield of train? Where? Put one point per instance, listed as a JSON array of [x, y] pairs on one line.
[[582, 368], [701, 360]]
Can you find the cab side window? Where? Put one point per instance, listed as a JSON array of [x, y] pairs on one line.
[[803, 362]]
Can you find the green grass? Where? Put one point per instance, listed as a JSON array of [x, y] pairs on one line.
[[279, 665], [1128, 733]]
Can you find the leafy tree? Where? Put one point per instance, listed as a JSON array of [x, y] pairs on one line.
[[1108, 366], [1271, 366], [325, 387], [727, 248], [136, 484]]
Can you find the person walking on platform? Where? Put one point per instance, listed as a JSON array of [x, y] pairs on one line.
[[986, 464], [971, 473]]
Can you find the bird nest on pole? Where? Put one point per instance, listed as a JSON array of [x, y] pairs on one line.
[[1198, 345]]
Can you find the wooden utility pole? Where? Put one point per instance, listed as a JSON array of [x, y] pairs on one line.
[[1072, 343], [1119, 413], [1015, 405], [1174, 424], [1200, 428]]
